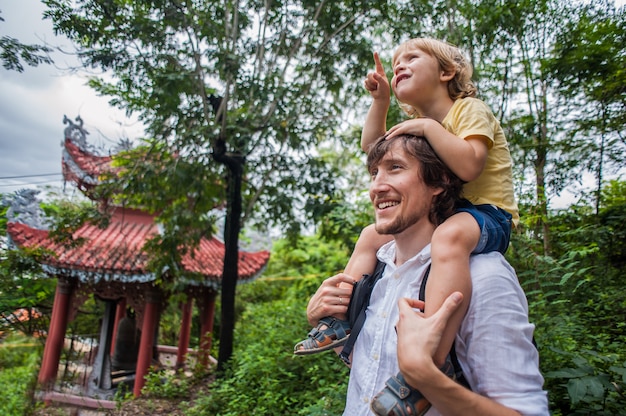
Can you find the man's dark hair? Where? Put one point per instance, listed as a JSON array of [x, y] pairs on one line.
[[433, 171]]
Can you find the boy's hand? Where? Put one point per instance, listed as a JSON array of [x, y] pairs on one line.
[[416, 127], [376, 82]]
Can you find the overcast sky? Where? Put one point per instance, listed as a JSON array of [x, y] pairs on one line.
[[33, 103]]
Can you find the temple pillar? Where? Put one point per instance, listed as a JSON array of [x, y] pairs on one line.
[[120, 313], [185, 331], [206, 306], [56, 333], [146, 345]]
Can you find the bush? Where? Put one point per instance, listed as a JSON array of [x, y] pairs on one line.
[[19, 361], [265, 378], [577, 301]]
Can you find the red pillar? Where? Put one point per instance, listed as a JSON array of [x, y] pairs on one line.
[[56, 333], [185, 331], [120, 313], [207, 315], [148, 330]]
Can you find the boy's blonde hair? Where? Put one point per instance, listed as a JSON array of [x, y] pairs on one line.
[[451, 59]]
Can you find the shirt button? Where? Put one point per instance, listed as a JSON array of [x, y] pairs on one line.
[[375, 357], [365, 400]]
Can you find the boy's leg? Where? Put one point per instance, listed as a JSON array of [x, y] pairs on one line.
[[363, 259], [452, 243]]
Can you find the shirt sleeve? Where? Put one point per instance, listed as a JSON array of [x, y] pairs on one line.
[[473, 118], [494, 344]]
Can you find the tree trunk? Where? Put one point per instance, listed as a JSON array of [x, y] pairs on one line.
[[235, 164], [542, 200]]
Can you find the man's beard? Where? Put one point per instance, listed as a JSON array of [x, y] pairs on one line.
[[398, 225]]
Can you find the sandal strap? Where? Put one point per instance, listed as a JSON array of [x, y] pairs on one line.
[[398, 385], [399, 399], [333, 327]]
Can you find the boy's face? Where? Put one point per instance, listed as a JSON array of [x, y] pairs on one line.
[[416, 75]]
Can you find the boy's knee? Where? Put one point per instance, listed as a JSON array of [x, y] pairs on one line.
[[455, 238], [449, 233]]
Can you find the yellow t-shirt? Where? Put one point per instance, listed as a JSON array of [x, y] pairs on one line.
[[472, 117]]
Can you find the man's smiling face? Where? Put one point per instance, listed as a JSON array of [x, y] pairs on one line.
[[401, 199]]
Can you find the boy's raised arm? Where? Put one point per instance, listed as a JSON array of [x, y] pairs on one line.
[[375, 124]]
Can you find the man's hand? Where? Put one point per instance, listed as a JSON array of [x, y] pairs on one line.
[[419, 337], [331, 299]]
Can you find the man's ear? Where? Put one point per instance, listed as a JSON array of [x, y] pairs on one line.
[[437, 191]]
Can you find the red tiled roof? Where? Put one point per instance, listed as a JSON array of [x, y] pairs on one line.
[[81, 167], [116, 253]]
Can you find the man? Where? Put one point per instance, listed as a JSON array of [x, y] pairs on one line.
[[412, 192]]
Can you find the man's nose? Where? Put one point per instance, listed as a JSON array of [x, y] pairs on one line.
[[379, 183]]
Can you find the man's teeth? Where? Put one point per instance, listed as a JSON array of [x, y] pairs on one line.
[[384, 205]]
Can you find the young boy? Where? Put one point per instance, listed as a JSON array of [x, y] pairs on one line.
[[432, 81]]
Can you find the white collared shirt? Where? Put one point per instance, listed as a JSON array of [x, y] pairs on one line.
[[493, 345]]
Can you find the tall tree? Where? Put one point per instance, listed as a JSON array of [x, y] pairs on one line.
[[588, 64], [241, 92]]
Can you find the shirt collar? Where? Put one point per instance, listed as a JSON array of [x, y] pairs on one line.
[[387, 254]]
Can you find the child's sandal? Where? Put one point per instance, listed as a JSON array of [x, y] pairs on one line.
[[334, 334], [398, 398]]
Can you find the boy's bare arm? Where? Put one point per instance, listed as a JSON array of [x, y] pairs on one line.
[[375, 125], [466, 158]]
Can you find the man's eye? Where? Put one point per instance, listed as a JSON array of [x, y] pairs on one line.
[[373, 173]]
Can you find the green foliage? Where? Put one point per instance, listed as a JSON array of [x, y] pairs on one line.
[[265, 377], [14, 53], [166, 385], [67, 217], [346, 220], [592, 382], [587, 65], [22, 286], [305, 256], [576, 299], [611, 217], [19, 363]]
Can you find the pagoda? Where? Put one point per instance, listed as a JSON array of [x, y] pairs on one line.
[[111, 264]]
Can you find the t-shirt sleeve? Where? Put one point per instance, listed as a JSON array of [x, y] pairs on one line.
[[474, 119]]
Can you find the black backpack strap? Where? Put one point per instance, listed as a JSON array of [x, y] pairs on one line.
[[359, 301], [458, 371]]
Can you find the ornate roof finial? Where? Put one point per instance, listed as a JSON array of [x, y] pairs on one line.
[[76, 133]]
